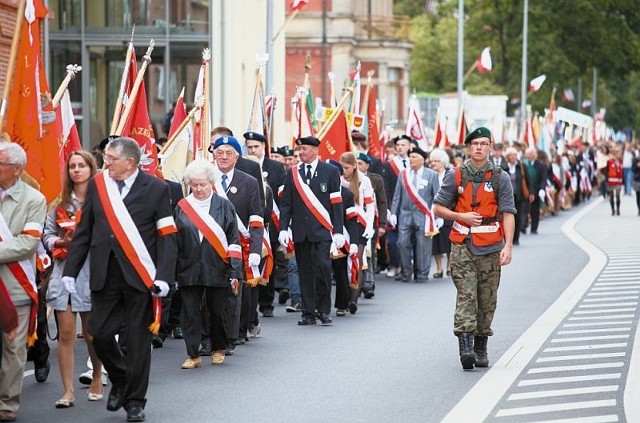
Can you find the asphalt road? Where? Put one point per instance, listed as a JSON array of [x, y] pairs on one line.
[[395, 360]]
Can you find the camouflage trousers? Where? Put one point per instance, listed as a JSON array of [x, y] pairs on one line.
[[476, 279]]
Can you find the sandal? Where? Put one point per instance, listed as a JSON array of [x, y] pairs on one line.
[[437, 275], [94, 397], [64, 403]]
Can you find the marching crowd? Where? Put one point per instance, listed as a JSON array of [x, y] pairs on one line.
[[252, 228]]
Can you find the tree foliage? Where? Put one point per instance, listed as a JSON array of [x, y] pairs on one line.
[[566, 41]]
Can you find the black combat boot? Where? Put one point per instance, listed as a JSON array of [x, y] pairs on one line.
[[480, 348], [467, 357]]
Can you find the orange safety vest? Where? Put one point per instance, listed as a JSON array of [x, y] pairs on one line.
[[490, 232], [614, 175]]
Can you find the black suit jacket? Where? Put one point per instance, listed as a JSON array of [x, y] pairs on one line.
[[275, 175], [147, 202], [294, 212], [376, 165], [243, 194], [175, 193], [390, 180], [252, 168]]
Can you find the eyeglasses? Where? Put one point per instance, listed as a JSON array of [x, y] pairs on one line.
[[109, 159], [479, 144], [7, 164]]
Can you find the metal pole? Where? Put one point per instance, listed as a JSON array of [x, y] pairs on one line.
[[323, 62], [460, 51], [594, 96], [523, 88], [269, 67], [579, 103]]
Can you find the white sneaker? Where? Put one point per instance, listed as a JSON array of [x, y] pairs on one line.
[[254, 332], [391, 272]]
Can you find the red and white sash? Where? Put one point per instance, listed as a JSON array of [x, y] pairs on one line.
[[211, 231], [311, 201], [275, 216], [430, 224], [24, 271], [394, 167]]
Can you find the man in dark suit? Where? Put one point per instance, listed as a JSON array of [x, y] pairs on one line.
[[537, 174], [127, 225], [242, 190], [274, 174], [520, 183], [312, 206], [497, 158]]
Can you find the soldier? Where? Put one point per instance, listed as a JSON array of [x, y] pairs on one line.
[[478, 197]]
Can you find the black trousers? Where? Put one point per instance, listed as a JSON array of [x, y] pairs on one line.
[[521, 210], [278, 279], [119, 304], [171, 305], [314, 266], [343, 292], [191, 317], [39, 352]]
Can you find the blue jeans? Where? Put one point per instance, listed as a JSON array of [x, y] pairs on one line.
[[628, 180], [294, 280]]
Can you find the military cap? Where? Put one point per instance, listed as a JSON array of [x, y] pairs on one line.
[[228, 140], [403, 137], [308, 141], [287, 151], [107, 140], [336, 164], [480, 132], [276, 150], [255, 136], [418, 150], [364, 157]]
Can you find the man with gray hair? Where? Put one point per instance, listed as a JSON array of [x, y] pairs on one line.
[[127, 224], [22, 215]]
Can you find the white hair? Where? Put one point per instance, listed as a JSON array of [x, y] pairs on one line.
[[15, 152], [440, 154], [199, 169]]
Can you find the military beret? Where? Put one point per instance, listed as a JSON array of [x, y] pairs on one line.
[[480, 132], [276, 150], [228, 140], [419, 151], [107, 140], [403, 137], [287, 151], [308, 141], [255, 136], [336, 164], [364, 157]]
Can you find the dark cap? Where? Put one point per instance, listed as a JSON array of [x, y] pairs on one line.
[[419, 151], [277, 150], [364, 157], [308, 141], [107, 140], [255, 136], [287, 151], [336, 164], [480, 132], [403, 137]]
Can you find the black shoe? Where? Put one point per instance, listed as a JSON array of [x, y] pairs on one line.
[[400, 277], [295, 307], [283, 296], [177, 333], [325, 319], [267, 312], [306, 321], [205, 349], [116, 396], [369, 294], [135, 413], [353, 308], [157, 342], [230, 349], [404, 279], [422, 280], [534, 232], [42, 373]]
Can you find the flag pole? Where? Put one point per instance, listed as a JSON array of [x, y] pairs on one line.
[[289, 19], [12, 62], [197, 106], [146, 59], [71, 73], [123, 83], [367, 90], [470, 71], [335, 113]]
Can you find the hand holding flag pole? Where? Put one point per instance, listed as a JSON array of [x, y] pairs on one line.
[[71, 73], [146, 59]]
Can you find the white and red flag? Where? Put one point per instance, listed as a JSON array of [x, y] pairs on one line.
[[536, 83], [415, 129], [484, 64]]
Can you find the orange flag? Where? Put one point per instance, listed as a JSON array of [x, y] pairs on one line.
[[372, 127], [138, 124], [31, 120], [337, 138]]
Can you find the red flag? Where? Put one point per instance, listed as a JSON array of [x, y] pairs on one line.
[[373, 130], [415, 129], [336, 139], [30, 123], [483, 64], [70, 136], [462, 129], [138, 125], [297, 5]]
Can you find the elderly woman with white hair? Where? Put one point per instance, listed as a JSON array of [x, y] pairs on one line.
[[440, 163], [209, 260]]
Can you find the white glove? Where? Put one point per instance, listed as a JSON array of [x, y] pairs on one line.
[[542, 194], [338, 240], [254, 259], [284, 238], [69, 284], [439, 222], [368, 232], [160, 289], [353, 249], [392, 219]]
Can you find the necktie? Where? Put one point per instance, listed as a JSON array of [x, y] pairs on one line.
[[404, 163], [307, 175], [120, 186], [224, 183]]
